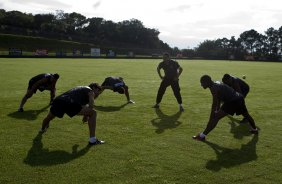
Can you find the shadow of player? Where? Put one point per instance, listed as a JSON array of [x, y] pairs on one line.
[[227, 158], [110, 108], [29, 114], [37, 155], [163, 121]]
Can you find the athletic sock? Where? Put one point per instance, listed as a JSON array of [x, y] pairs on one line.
[[202, 135], [92, 139]]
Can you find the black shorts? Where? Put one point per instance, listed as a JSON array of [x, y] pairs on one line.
[[60, 107], [235, 106], [31, 83]]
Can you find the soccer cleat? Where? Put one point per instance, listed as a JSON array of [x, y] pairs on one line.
[[156, 106], [198, 138], [181, 109], [254, 131], [96, 142], [20, 109]]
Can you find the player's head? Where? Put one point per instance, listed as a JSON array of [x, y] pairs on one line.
[[166, 56], [227, 79], [56, 76], [206, 81]]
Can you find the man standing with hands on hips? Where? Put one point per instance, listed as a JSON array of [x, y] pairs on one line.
[[172, 71]]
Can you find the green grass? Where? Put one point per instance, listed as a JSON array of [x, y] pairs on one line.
[[142, 145]]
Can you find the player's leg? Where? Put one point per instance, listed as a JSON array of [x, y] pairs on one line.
[[176, 91], [164, 84], [28, 94], [211, 125], [46, 121], [251, 121], [213, 122], [91, 114]]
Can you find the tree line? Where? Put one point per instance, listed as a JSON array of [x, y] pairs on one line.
[[250, 45], [133, 34]]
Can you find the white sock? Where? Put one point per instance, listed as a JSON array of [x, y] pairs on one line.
[[180, 105], [92, 139], [202, 135]]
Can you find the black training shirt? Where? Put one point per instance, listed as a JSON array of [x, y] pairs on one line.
[[170, 68]]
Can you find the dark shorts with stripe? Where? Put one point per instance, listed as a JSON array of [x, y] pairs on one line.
[[235, 106], [60, 107]]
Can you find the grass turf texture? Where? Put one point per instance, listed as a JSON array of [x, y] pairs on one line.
[[142, 145]]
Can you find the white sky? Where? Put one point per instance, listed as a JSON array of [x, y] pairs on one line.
[[182, 23]]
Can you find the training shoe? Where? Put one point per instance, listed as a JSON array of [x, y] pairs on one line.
[[198, 138], [156, 106], [254, 131], [96, 142], [20, 110], [181, 109], [131, 101]]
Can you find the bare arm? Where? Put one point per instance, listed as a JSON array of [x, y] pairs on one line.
[[215, 103], [91, 96], [52, 91], [180, 69], [159, 72]]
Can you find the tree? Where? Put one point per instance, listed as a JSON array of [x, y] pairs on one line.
[[249, 40]]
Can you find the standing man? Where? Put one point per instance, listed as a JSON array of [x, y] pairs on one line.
[[77, 101], [45, 81], [237, 84], [172, 71], [233, 102], [116, 84]]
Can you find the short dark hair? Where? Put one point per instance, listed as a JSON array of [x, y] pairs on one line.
[[56, 76], [226, 77], [95, 85], [205, 78], [166, 54]]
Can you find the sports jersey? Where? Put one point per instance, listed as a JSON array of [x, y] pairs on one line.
[[243, 85], [78, 95], [170, 69], [226, 93], [39, 77]]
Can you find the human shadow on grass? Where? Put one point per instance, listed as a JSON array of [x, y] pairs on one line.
[[29, 114], [238, 128], [163, 121], [37, 155], [227, 158], [110, 108]]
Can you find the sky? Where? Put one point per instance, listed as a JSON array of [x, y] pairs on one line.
[[181, 23]]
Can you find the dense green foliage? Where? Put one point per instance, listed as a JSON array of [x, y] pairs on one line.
[[76, 27], [143, 145], [132, 35]]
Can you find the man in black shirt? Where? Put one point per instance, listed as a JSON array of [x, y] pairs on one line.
[[238, 85], [77, 101], [233, 102], [172, 71], [41, 82], [116, 84]]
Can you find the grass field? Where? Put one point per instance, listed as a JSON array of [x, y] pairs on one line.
[[142, 145]]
